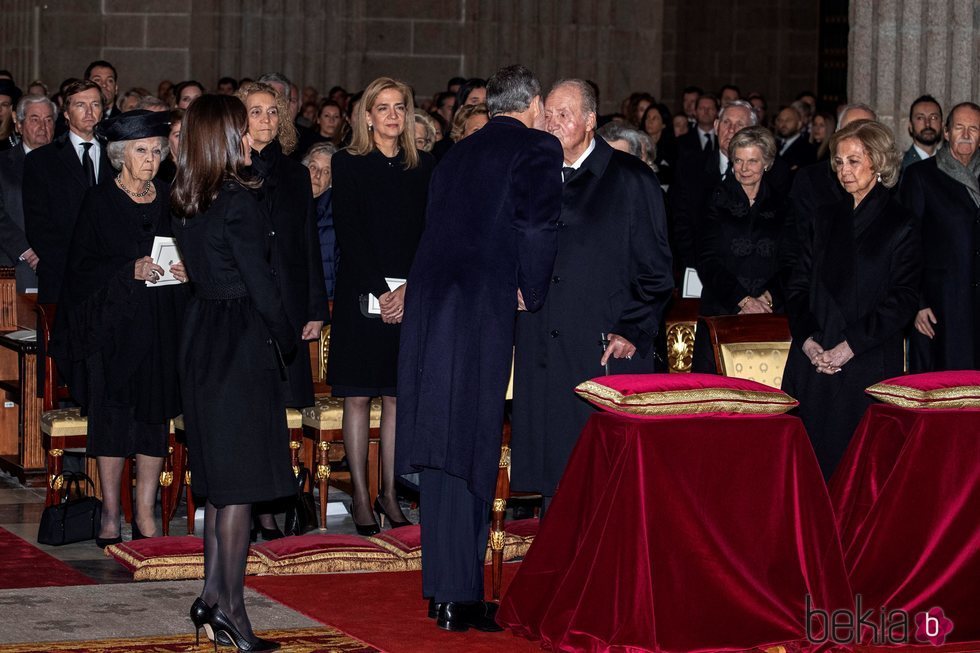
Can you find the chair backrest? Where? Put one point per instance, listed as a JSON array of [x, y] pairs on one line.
[[753, 347]]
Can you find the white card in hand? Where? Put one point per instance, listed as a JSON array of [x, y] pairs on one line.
[[164, 254], [374, 306]]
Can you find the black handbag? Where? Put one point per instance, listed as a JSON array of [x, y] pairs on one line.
[[72, 520], [301, 516]]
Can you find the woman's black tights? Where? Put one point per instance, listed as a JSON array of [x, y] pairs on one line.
[[226, 540]]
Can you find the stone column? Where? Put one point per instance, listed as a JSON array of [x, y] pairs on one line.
[[901, 49]]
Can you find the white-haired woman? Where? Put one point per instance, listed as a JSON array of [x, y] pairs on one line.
[[380, 186], [115, 338]]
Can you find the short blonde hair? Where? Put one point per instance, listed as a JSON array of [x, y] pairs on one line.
[[759, 137], [287, 131], [878, 142], [463, 114], [362, 142]]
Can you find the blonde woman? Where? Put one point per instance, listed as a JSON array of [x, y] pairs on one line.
[[380, 185]]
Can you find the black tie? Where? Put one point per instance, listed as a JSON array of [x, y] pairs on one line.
[[707, 142], [87, 164], [728, 170], [567, 172]]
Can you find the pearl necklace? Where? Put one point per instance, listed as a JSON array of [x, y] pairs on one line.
[[140, 194]]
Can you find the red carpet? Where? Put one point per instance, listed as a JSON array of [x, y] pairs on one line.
[[24, 565], [385, 610]]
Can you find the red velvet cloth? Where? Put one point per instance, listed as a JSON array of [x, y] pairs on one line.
[[907, 497], [682, 534]]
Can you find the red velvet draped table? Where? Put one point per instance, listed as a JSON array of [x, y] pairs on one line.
[[907, 496], [682, 534]]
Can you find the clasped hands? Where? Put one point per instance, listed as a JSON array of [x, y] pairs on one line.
[[829, 361], [755, 305], [393, 305]]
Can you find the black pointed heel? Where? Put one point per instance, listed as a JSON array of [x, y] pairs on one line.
[[200, 612], [382, 514], [220, 624], [103, 542]]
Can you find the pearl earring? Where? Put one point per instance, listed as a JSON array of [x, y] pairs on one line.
[[879, 176]]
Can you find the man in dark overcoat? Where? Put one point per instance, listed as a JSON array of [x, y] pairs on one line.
[[488, 247], [612, 280], [56, 177], [944, 194]]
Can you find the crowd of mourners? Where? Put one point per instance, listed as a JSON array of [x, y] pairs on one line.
[[808, 210]]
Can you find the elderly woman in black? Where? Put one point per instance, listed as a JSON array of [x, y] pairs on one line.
[[115, 336], [853, 292], [235, 344], [380, 185], [744, 256], [287, 198]]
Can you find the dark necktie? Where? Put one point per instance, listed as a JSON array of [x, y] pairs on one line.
[[567, 172], [728, 170], [87, 164], [707, 142]]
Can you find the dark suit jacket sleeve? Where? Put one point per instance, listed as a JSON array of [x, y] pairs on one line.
[[246, 238], [894, 312], [536, 183], [13, 241], [802, 323], [355, 244], [912, 196], [651, 281], [317, 308], [38, 223], [683, 207], [711, 264]]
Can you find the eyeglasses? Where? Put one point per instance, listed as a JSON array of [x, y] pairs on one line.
[[422, 142]]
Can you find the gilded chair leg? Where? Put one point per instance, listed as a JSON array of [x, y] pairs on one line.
[[322, 477], [55, 479]]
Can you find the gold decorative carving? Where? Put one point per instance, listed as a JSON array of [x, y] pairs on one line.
[[323, 445], [187, 477], [57, 482], [497, 540], [170, 451], [56, 452], [680, 346], [505, 457], [296, 471], [499, 505], [323, 472], [293, 444], [166, 479]]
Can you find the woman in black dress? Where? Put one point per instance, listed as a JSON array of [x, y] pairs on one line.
[[854, 290], [380, 185], [287, 198], [236, 339], [115, 336], [743, 247]]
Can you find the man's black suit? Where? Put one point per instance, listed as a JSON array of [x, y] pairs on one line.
[[800, 153], [13, 240], [490, 230], [54, 187]]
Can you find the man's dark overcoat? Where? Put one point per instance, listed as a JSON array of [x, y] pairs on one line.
[[54, 186], [612, 275], [490, 229], [13, 240], [950, 232]]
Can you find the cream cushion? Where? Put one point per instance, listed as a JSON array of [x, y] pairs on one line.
[[762, 362], [63, 422], [328, 412]]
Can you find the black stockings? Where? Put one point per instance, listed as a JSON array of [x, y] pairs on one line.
[[226, 540]]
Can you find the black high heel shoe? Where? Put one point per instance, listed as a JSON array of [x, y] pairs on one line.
[[220, 624], [103, 542], [200, 612], [382, 514], [365, 530], [138, 534]]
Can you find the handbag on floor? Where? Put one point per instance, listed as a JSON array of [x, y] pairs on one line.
[[301, 516], [72, 520]]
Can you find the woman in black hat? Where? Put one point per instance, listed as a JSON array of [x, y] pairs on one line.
[[115, 336]]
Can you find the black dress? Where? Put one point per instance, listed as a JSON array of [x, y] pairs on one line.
[[115, 339], [287, 197], [742, 251], [857, 279], [232, 379], [379, 213]]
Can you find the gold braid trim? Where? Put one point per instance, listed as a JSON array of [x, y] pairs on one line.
[[398, 551], [689, 402], [961, 396]]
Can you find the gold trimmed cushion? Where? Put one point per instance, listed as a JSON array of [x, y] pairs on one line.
[[294, 418], [763, 362], [659, 395], [170, 558], [328, 412], [62, 422], [954, 389]]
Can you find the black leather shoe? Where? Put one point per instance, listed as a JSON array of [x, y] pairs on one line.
[[459, 616], [103, 542], [434, 608]]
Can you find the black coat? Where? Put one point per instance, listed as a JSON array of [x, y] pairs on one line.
[[232, 377], [800, 154], [54, 186], [744, 250], [287, 197], [103, 310], [814, 186], [950, 232], [379, 214], [13, 240], [857, 280], [490, 230], [612, 275]]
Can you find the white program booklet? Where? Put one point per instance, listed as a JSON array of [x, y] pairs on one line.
[[165, 254], [374, 306], [692, 284]]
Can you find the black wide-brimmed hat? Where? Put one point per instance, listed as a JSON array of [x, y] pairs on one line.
[[8, 88], [133, 125]]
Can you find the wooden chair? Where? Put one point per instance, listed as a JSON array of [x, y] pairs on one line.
[[681, 323], [753, 347]]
